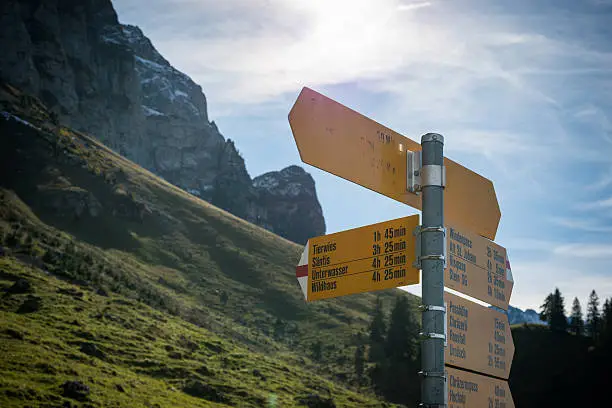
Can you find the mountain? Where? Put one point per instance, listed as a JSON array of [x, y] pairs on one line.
[[107, 79], [119, 288], [529, 316]]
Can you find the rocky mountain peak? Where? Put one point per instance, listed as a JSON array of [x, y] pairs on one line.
[[107, 79], [290, 197]]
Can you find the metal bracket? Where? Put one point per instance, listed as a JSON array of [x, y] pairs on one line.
[[437, 374], [433, 374], [418, 245], [413, 172], [426, 336], [425, 308], [433, 175]]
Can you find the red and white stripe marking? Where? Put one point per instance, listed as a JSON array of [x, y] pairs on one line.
[[301, 271], [509, 276]]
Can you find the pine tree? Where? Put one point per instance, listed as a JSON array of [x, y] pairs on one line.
[[577, 322], [606, 320], [377, 335], [378, 330], [317, 350], [401, 381], [593, 317], [279, 329], [558, 321], [360, 362], [546, 308]]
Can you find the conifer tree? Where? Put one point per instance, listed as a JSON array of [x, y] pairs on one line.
[[317, 350], [606, 320], [360, 362], [577, 322], [546, 308], [593, 317], [401, 380], [558, 321], [378, 329]]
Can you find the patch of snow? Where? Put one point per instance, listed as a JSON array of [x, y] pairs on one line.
[[150, 64], [144, 80], [108, 39], [180, 93], [291, 190], [267, 182], [132, 33], [150, 111], [16, 118], [207, 187], [194, 192]]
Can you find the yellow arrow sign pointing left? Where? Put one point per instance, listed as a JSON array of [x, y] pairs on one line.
[[364, 259]]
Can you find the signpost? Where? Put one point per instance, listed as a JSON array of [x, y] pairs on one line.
[[343, 142], [454, 248], [469, 390], [478, 268], [479, 338], [364, 259]]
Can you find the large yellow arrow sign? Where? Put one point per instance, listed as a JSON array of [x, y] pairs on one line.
[[478, 267], [364, 259], [479, 338], [469, 390], [343, 142]]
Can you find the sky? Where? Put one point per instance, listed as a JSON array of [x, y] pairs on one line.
[[521, 91]]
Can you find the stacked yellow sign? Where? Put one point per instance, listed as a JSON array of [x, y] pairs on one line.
[[343, 142], [478, 337]]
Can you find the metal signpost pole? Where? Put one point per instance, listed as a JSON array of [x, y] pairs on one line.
[[432, 260]]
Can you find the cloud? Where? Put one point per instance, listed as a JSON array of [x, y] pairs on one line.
[[597, 204], [604, 180], [529, 244], [436, 65], [413, 6], [581, 224], [260, 49], [575, 268], [581, 250]]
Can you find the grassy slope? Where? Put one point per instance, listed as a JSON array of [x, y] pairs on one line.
[[153, 243], [146, 357]]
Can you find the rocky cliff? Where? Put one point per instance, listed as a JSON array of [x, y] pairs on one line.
[[288, 197], [107, 79]]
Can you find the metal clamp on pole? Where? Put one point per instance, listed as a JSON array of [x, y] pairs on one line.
[[438, 374], [433, 175], [419, 257], [432, 307], [441, 374], [425, 308], [425, 336]]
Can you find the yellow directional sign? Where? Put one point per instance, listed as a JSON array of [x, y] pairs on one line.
[[479, 338], [477, 267], [469, 390], [364, 259], [343, 142]]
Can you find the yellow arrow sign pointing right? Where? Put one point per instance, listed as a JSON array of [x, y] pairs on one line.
[[343, 142]]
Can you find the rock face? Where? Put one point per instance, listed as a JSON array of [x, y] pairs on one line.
[[107, 79], [290, 199]]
